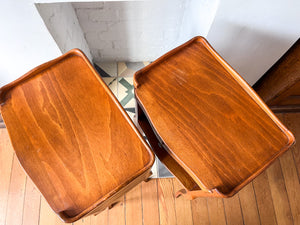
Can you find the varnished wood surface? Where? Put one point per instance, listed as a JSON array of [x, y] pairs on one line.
[[279, 87], [208, 119], [267, 202], [163, 155], [72, 137]]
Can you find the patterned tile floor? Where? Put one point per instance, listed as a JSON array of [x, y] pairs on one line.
[[1, 122], [119, 78]]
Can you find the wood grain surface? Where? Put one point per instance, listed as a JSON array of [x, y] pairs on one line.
[[208, 118], [216, 211], [72, 137], [16, 194], [163, 155], [134, 211], [265, 203], [6, 163], [31, 206], [117, 214], [150, 203], [233, 210], [200, 211], [279, 194], [167, 211], [183, 207], [151, 207], [101, 218], [249, 205], [279, 87]]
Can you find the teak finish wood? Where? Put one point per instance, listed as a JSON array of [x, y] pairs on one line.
[[208, 119], [72, 136], [279, 87]]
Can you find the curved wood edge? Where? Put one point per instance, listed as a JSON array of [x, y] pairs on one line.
[[250, 91], [167, 149], [136, 75], [160, 151], [77, 52], [109, 200], [4, 89], [246, 87]]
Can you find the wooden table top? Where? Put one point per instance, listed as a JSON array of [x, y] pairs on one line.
[[208, 118], [71, 135]]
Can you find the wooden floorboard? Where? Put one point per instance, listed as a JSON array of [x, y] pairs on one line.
[[150, 203], [216, 211], [264, 200], [279, 195], [83, 221], [272, 198], [292, 184], [290, 164], [166, 201], [249, 205], [100, 219], [292, 121], [183, 207], [200, 211], [134, 211], [32, 202], [233, 210], [6, 159], [116, 215], [16, 194], [47, 216]]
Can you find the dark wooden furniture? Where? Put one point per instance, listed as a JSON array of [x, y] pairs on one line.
[[72, 137], [205, 123], [279, 87]]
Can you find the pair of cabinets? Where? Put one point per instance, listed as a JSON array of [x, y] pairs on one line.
[[83, 152]]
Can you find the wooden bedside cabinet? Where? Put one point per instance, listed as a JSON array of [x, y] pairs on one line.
[[72, 137], [205, 123]]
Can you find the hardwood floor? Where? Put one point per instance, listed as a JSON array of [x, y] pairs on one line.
[[272, 198]]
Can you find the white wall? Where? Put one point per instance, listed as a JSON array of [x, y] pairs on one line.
[[197, 19], [57, 1], [25, 41], [142, 30], [250, 35], [253, 35], [62, 23], [130, 31]]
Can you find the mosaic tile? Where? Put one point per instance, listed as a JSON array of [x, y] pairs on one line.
[[120, 81], [126, 95], [135, 65], [2, 125], [127, 73], [107, 69], [121, 68], [129, 68], [162, 170], [112, 83]]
